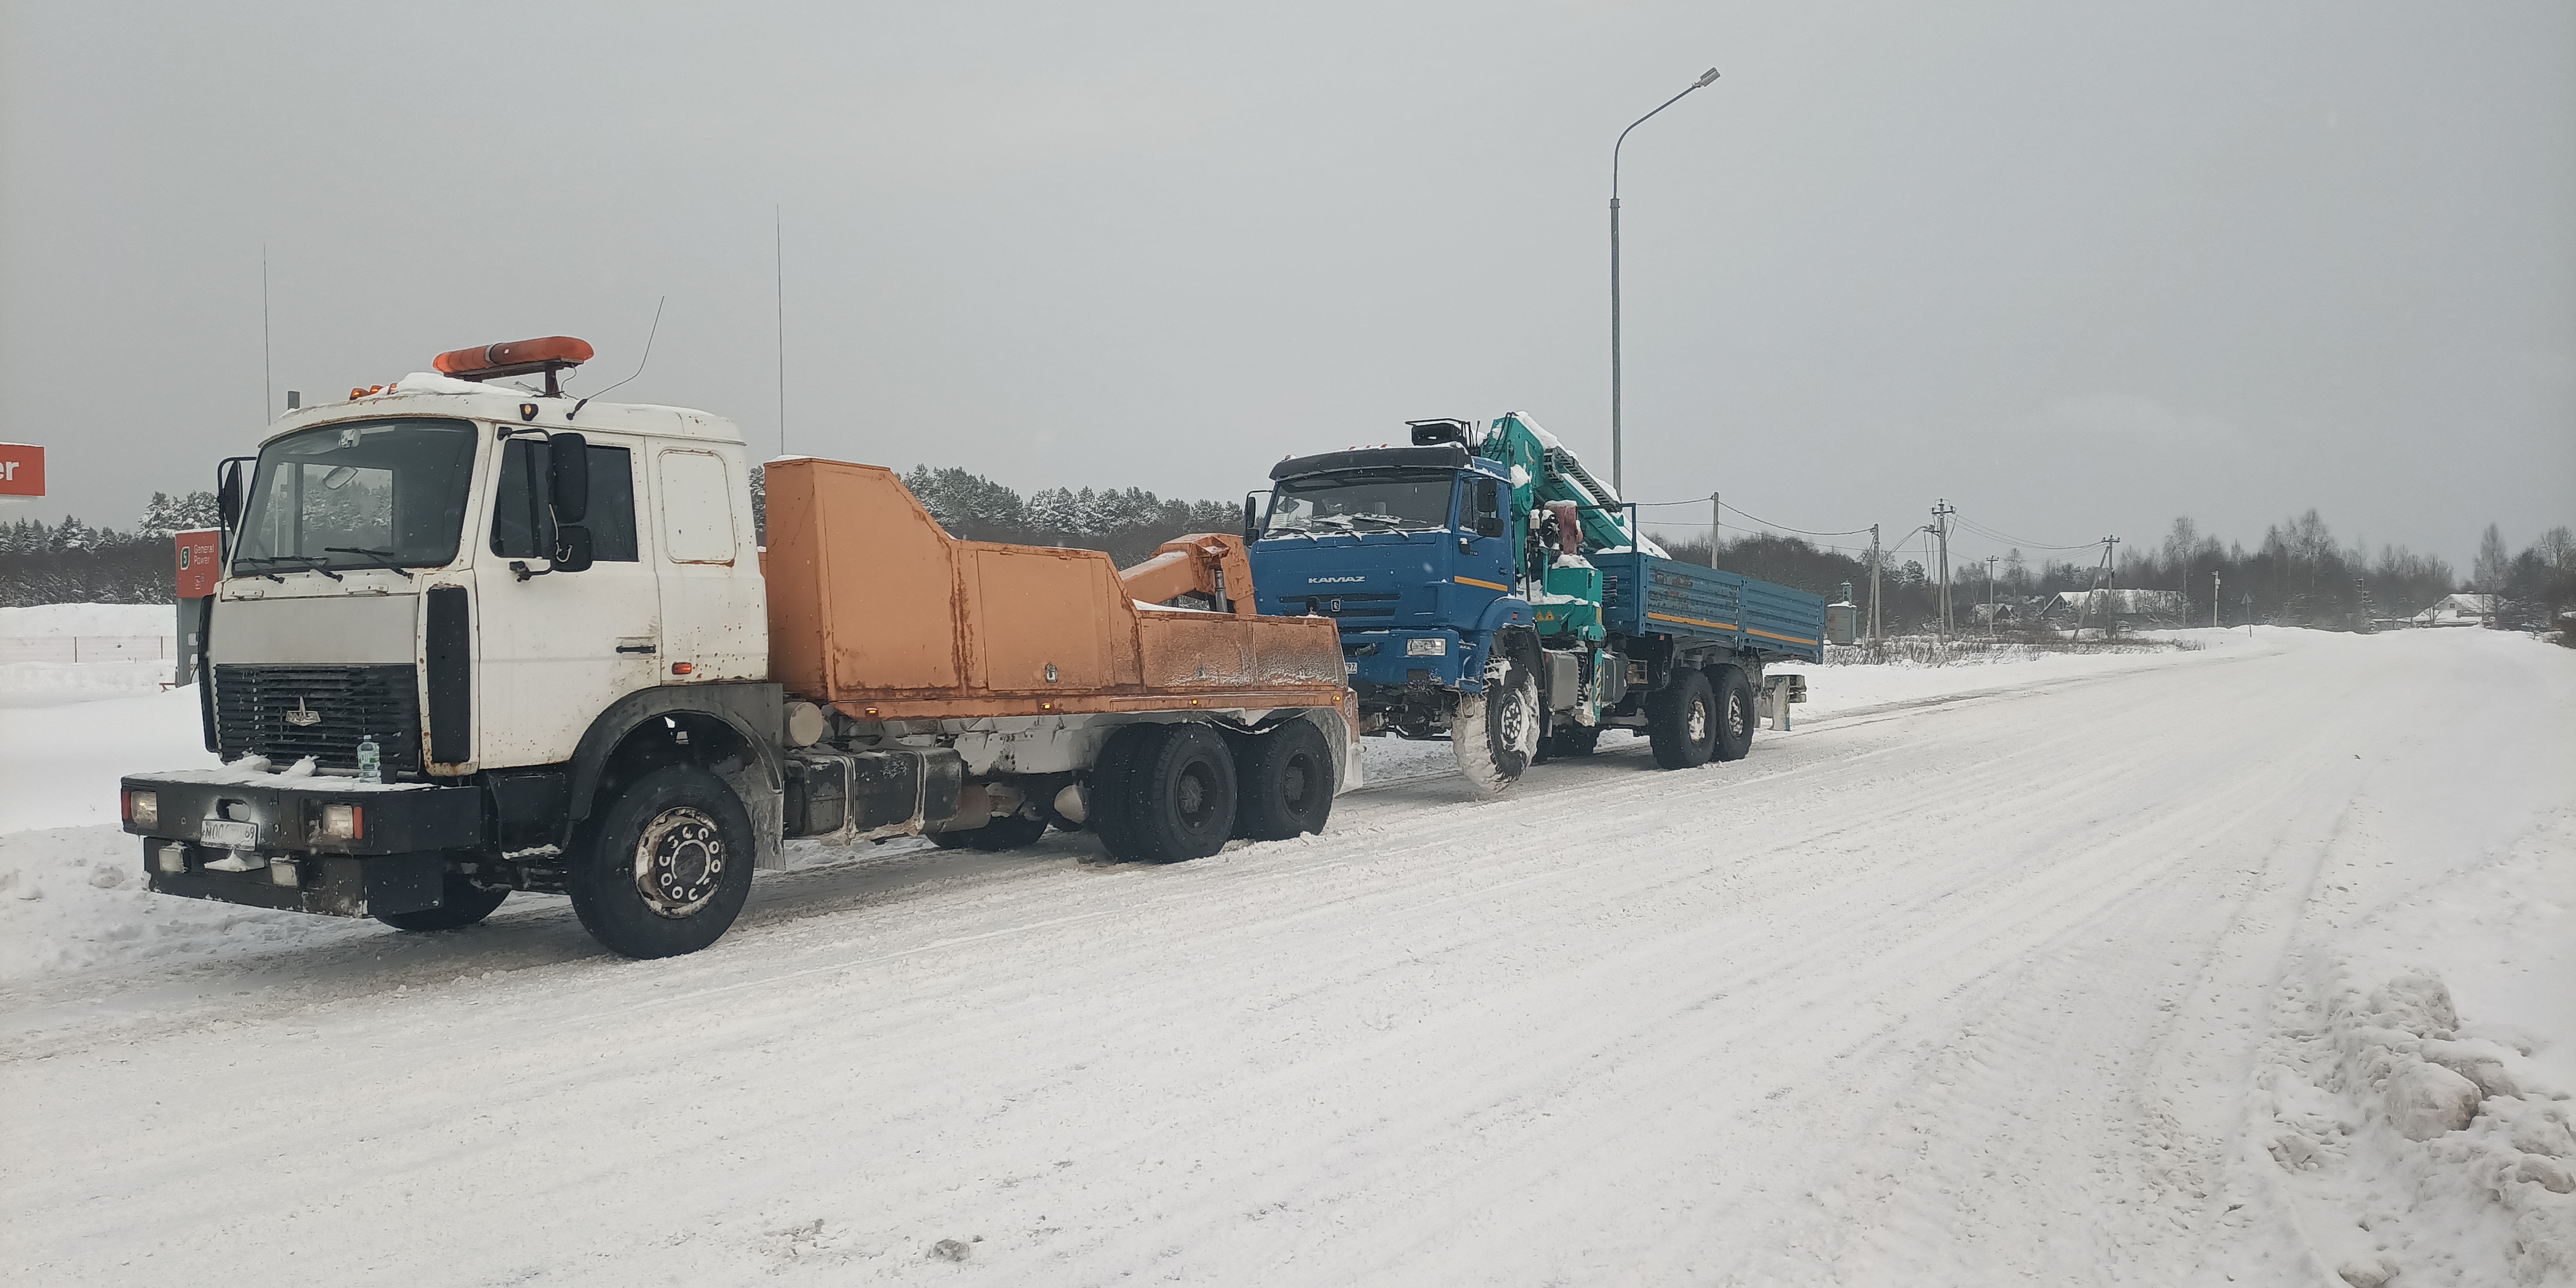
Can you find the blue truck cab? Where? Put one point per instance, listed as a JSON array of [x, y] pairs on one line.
[[1489, 591]]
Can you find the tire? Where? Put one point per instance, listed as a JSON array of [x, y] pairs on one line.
[[668, 865], [1734, 697], [460, 904], [952, 840], [1572, 742], [1285, 778], [1495, 733], [1011, 833], [1681, 721], [1178, 801], [1111, 774]]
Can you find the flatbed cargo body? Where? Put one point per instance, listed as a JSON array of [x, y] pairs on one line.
[[1709, 604]]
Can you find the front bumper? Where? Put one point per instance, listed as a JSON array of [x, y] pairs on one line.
[[1384, 660], [394, 862]]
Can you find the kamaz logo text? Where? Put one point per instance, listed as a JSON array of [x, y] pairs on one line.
[[1318, 581]]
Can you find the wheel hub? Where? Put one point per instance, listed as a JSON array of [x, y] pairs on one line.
[[1698, 723], [1735, 720], [679, 862]]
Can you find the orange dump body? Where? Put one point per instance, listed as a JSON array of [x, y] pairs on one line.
[[876, 610]]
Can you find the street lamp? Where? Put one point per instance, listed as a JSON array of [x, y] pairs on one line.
[[1702, 83]]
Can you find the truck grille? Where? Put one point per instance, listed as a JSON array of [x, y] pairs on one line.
[[288, 712]]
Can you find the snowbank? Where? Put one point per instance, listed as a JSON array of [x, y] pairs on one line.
[[59, 764], [45, 620]]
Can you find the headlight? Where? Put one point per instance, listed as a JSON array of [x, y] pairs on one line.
[[143, 809], [343, 822], [1427, 646]]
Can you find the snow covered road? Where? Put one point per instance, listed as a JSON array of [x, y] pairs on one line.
[[1973, 978]]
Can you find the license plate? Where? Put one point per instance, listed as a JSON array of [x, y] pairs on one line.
[[228, 834], [1350, 667]]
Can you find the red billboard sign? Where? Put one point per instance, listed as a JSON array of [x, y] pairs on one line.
[[198, 564], [22, 470]]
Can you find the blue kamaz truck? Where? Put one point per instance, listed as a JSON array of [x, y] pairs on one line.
[[1490, 591]]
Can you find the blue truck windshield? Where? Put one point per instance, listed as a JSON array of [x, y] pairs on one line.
[[360, 495], [1362, 501]]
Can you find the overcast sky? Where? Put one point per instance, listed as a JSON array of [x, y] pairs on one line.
[[2079, 268]]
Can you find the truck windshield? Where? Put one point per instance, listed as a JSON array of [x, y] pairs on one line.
[[1362, 501], [367, 494]]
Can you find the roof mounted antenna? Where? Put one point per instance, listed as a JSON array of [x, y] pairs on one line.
[[639, 366], [549, 354]]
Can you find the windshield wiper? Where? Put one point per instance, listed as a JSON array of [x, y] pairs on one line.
[[1390, 520], [312, 563], [384, 558]]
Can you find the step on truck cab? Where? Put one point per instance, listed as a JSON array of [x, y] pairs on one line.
[[474, 639], [1489, 590]]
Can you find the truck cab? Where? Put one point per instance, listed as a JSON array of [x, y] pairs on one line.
[[452, 609], [1410, 552]]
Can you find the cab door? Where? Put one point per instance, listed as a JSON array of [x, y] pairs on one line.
[[556, 648], [1483, 568]]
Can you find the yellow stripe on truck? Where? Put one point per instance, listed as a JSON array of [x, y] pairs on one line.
[[1489, 585], [1693, 621]]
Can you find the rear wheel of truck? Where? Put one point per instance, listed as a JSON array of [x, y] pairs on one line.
[[1178, 798], [1005, 834], [1111, 772], [1286, 777], [1734, 697], [668, 866], [1495, 733], [460, 904], [1681, 721]]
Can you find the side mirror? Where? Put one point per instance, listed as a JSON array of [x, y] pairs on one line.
[[1251, 520], [228, 493], [1489, 525], [568, 477], [572, 548]]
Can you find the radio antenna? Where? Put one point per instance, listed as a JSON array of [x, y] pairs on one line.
[[778, 250], [639, 366], [267, 382]]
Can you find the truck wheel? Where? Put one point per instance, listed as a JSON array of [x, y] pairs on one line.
[[1572, 742], [461, 903], [1495, 733], [1286, 777], [1112, 771], [668, 867], [1734, 696], [1681, 721], [1179, 801]]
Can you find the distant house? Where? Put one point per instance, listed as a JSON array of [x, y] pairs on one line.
[[2069, 609], [2458, 610]]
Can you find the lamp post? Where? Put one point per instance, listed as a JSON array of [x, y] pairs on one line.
[[1703, 82]]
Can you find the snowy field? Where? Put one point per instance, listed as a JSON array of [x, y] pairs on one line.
[[2254, 963]]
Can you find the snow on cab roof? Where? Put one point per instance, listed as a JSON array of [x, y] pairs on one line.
[[428, 393]]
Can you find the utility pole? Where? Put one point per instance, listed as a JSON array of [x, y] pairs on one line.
[[1991, 561], [1873, 592], [2110, 581], [2213, 601], [1941, 512], [1713, 526], [2249, 616]]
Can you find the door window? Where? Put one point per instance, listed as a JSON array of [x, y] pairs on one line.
[[523, 525], [697, 508]]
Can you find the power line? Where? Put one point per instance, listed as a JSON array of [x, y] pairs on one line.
[[2006, 537]]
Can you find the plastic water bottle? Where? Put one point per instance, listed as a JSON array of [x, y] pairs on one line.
[[371, 768]]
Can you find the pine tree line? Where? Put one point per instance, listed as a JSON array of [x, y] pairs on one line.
[[2298, 575], [72, 562], [1126, 522]]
